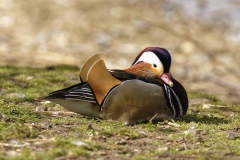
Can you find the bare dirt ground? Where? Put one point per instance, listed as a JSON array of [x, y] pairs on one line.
[[201, 35]]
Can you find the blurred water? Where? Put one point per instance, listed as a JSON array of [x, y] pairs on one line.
[[221, 12]]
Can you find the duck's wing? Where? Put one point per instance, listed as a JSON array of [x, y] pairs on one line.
[[135, 101], [78, 98], [88, 65], [80, 91]]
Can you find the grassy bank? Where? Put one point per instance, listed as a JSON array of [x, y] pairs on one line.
[[31, 129]]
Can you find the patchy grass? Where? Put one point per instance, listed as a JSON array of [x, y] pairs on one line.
[[34, 130]]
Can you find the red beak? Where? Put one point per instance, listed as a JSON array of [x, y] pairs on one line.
[[166, 79]]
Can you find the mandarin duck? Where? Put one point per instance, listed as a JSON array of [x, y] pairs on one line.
[[145, 91]]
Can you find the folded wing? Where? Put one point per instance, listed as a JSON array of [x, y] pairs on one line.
[[95, 73]]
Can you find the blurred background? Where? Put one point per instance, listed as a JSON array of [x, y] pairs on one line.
[[202, 35]]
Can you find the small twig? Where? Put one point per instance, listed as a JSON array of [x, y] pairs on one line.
[[184, 144], [56, 113], [14, 145], [153, 117]]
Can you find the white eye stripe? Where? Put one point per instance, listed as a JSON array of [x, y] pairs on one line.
[[151, 58]]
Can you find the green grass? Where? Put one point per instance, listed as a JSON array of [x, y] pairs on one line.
[[28, 134]]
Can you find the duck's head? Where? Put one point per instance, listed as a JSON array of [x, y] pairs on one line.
[[154, 62]]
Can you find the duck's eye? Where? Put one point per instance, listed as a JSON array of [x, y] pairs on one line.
[[154, 65]]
